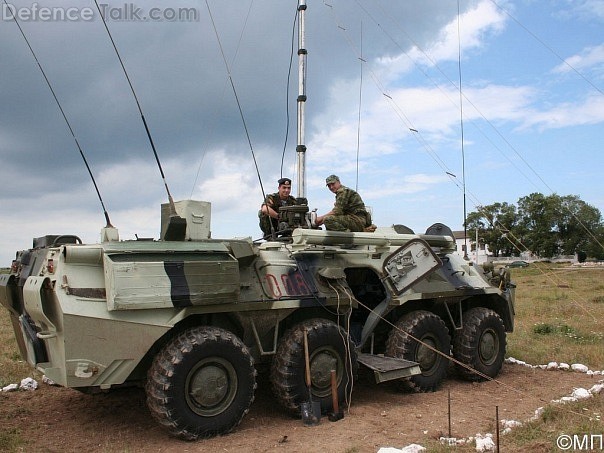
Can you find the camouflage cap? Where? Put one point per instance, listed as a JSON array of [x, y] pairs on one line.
[[331, 179]]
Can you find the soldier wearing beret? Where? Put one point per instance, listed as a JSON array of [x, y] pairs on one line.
[[348, 213], [269, 211]]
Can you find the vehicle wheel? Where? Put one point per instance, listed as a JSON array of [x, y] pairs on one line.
[[480, 344], [329, 348], [430, 330], [201, 383]]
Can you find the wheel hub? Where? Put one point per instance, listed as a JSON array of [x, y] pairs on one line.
[[322, 362], [488, 347], [211, 385]]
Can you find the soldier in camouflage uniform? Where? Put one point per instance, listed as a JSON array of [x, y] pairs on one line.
[[269, 211], [348, 213]]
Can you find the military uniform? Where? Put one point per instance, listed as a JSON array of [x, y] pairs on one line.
[[274, 202], [349, 212]]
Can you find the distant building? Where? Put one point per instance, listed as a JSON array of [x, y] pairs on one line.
[[479, 256]]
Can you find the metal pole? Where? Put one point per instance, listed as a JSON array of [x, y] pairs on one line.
[[477, 248], [301, 146], [449, 410], [497, 426]]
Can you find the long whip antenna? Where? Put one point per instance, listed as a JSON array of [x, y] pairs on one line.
[[289, 72], [247, 134], [161, 171], [54, 95], [360, 107], [463, 156]]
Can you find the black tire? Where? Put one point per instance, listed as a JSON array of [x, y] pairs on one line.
[[429, 329], [329, 347], [202, 383], [480, 344]]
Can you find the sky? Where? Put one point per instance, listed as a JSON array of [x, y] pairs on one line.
[[384, 109]]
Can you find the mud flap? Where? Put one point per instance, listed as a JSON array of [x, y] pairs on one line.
[[36, 350]]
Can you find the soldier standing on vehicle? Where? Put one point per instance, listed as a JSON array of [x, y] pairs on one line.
[[269, 211], [348, 213]]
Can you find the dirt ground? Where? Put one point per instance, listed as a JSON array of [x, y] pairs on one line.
[[54, 419]]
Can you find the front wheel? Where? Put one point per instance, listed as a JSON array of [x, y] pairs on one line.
[[329, 348], [422, 337], [202, 383], [480, 345]]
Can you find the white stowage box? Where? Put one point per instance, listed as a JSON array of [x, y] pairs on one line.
[[197, 214]]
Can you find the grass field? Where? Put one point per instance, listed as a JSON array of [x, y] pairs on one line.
[[559, 317]]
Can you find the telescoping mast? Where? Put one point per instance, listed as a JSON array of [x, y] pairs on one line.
[[301, 146]]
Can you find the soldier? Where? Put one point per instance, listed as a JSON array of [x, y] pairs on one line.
[[269, 211], [348, 213]]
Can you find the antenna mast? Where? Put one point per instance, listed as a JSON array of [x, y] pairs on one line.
[[301, 147]]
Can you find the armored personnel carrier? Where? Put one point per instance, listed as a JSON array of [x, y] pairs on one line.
[[193, 320]]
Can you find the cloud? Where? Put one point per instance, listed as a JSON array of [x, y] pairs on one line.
[[569, 114], [589, 9], [481, 21], [183, 87], [589, 58]]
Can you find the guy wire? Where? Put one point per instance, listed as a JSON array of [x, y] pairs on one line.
[[457, 362], [394, 326]]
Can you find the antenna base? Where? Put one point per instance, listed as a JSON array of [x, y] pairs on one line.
[[109, 234]]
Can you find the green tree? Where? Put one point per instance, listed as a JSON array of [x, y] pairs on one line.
[[494, 224], [595, 248], [536, 224], [558, 225], [546, 225], [578, 224]]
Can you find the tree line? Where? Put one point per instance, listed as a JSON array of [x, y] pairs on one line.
[[546, 225]]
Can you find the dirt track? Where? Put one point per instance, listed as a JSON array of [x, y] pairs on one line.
[[64, 420]]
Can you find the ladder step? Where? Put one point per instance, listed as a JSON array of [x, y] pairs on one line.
[[388, 368]]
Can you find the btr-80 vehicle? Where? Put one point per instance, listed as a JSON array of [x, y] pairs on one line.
[[194, 319]]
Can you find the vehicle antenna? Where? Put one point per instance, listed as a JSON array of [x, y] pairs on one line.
[[360, 107], [232, 83], [289, 72], [65, 118], [249, 140], [176, 222], [463, 157]]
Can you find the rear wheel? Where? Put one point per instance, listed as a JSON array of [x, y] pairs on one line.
[[329, 348], [202, 383], [433, 336], [480, 344]]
